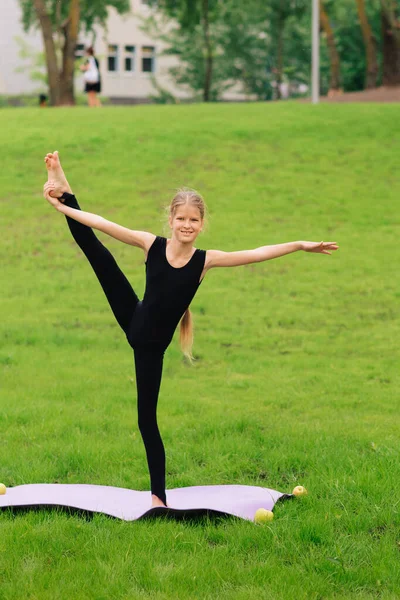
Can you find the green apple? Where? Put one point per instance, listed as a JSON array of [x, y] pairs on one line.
[[263, 515], [299, 490]]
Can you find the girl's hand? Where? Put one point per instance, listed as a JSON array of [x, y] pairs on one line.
[[319, 247], [50, 192]]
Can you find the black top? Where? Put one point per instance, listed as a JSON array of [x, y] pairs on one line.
[[169, 291]]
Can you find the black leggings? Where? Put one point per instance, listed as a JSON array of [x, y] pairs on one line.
[[148, 362]]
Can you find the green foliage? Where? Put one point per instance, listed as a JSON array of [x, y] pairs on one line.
[[244, 40], [278, 11], [22, 100], [245, 48], [190, 73], [36, 65], [188, 46], [92, 12], [163, 96], [244, 37], [348, 36], [188, 13], [297, 45], [239, 49]]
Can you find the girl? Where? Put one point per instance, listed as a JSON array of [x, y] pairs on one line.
[[174, 271], [92, 78]]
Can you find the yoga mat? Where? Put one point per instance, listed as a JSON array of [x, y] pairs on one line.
[[238, 500]]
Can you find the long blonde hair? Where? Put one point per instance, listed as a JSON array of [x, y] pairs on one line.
[[182, 197]]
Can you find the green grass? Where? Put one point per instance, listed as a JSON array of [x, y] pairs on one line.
[[296, 379]]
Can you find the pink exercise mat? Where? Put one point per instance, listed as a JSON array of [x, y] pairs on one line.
[[237, 500]]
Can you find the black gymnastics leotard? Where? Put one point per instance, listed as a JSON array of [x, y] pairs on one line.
[[149, 324]]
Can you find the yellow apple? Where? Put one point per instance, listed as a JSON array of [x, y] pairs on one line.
[[299, 490], [263, 515]]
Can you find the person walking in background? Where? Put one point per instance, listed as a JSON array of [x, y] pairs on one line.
[[92, 78]]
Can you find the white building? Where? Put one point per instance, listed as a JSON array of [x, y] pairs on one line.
[[12, 82], [128, 57]]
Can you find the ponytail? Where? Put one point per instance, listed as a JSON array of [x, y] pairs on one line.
[[186, 334]]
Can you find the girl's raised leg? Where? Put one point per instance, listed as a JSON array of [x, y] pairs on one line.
[[123, 301], [117, 288]]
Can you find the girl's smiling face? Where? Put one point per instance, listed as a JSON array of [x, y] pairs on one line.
[[186, 223]]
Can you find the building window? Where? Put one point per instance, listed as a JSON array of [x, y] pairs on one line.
[[112, 58], [148, 59], [129, 59], [79, 51]]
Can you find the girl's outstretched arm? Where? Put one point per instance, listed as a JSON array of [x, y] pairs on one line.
[[141, 239], [217, 258]]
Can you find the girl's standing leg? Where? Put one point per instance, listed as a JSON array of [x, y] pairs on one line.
[[149, 365]]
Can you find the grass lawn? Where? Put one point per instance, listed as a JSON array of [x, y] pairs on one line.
[[296, 380]]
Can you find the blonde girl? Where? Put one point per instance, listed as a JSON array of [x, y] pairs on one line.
[[174, 271]]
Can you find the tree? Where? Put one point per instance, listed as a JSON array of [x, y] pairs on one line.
[[62, 20], [246, 47], [391, 42], [350, 45], [190, 14], [278, 14], [243, 42], [261, 43], [218, 43], [372, 70], [334, 85]]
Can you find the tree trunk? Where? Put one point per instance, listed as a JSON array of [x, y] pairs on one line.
[[334, 85], [50, 51], [390, 46], [371, 78], [279, 53], [208, 49], [70, 30]]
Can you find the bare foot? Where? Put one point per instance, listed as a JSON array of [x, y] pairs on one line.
[[155, 501], [51, 195], [56, 174]]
